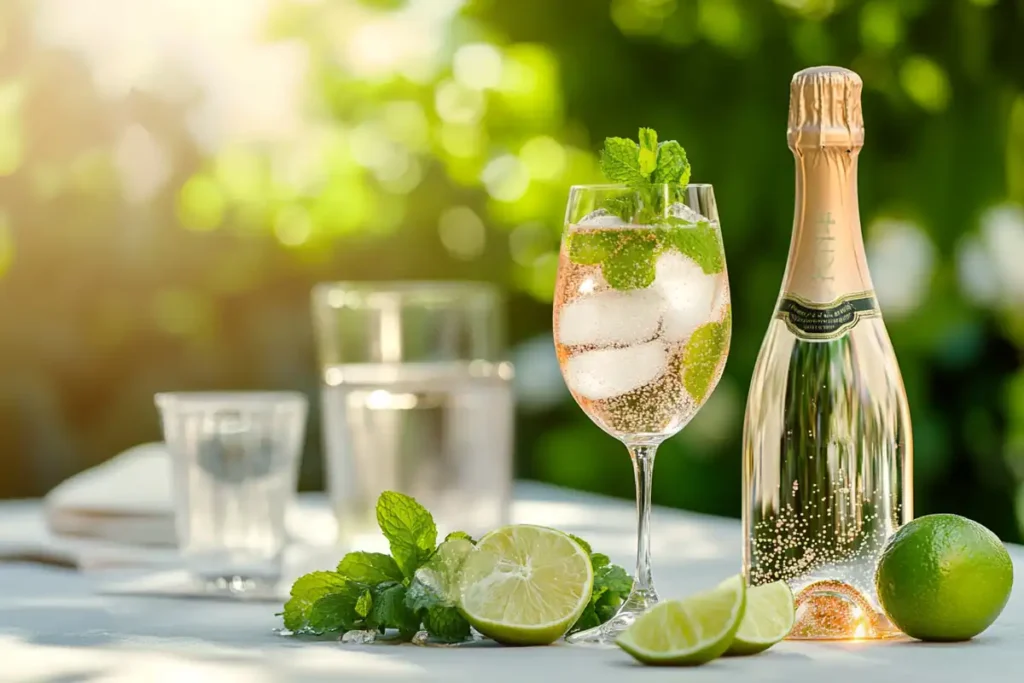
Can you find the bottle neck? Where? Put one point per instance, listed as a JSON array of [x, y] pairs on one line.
[[826, 254]]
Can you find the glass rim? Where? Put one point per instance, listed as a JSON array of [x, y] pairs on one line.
[[625, 186], [166, 399]]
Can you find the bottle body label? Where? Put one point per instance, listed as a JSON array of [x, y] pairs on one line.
[[824, 321]]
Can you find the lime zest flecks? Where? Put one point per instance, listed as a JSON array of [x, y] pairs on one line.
[[627, 256], [704, 351]]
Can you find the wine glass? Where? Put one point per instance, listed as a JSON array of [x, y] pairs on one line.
[[642, 327]]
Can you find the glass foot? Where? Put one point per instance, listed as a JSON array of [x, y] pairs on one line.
[[604, 635]]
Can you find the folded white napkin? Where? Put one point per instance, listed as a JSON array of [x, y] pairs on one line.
[[118, 518], [128, 499]]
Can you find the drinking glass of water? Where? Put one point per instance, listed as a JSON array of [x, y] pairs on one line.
[[416, 398], [235, 464]]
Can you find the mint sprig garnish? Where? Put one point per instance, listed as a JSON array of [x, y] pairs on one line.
[[415, 587], [643, 167]]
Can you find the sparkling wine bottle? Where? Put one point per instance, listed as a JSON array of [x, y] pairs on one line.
[[826, 440]]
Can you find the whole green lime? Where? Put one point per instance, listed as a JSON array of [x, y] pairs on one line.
[[943, 577]]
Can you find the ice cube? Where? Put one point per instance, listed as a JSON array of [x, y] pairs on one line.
[[689, 293], [680, 210], [611, 317], [607, 373], [601, 218], [359, 637]]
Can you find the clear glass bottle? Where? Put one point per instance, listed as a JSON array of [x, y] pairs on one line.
[[827, 447]]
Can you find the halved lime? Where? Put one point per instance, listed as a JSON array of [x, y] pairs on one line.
[[525, 584], [689, 631], [767, 619]]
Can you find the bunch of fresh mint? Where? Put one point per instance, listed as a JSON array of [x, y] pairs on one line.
[[644, 167], [413, 588]]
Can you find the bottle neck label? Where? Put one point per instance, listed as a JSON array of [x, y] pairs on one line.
[[809, 320], [827, 288]]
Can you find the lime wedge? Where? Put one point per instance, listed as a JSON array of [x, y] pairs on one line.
[[525, 584], [767, 619], [690, 631]]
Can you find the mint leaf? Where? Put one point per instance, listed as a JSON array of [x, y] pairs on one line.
[[369, 568], [702, 355], [390, 611], [305, 592], [606, 606], [598, 560], [648, 159], [672, 166], [336, 611], [409, 528], [631, 267], [446, 624], [583, 544], [701, 243], [626, 256], [620, 161], [613, 578], [590, 248], [364, 603], [459, 535]]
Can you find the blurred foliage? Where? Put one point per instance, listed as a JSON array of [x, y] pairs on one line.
[[149, 241]]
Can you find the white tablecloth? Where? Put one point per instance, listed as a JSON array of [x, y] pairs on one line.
[[55, 627]]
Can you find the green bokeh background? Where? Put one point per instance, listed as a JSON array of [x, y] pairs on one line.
[[436, 139]]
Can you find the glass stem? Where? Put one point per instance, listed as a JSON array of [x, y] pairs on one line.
[[643, 468]]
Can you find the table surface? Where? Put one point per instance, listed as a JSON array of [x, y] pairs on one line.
[[57, 627]]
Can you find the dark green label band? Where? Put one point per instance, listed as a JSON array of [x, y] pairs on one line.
[[809, 320]]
